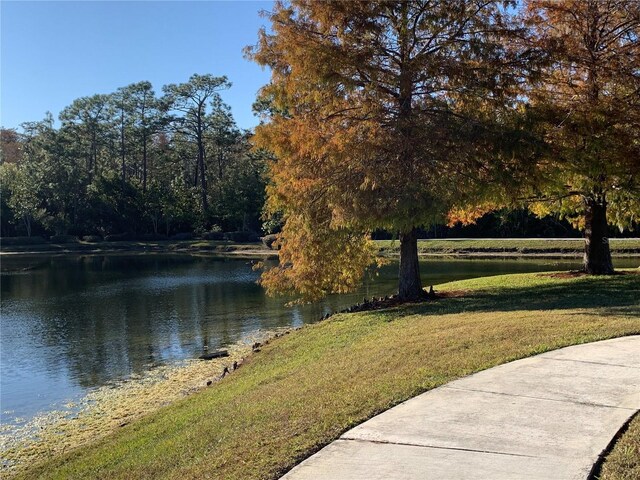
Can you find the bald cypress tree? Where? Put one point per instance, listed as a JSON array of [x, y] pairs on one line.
[[368, 119], [585, 102]]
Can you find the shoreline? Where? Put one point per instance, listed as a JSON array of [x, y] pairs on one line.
[[103, 410], [179, 247], [456, 248], [266, 254]]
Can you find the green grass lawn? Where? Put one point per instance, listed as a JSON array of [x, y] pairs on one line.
[[510, 245], [304, 389], [623, 463]]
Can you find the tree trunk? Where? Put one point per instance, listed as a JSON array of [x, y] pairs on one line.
[[144, 163], [597, 255], [410, 286], [123, 153], [94, 157], [144, 144], [203, 178], [27, 224]]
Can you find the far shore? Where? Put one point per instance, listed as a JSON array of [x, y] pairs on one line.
[[474, 248]]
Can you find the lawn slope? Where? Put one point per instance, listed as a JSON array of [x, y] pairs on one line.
[[304, 389]]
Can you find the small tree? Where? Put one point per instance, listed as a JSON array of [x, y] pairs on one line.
[[24, 184], [10, 146]]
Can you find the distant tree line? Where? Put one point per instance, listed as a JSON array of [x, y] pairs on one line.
[[135, 164]]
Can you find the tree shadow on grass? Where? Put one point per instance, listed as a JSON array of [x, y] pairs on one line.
[[617, 295]]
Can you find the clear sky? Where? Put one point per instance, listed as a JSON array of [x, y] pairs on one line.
[[53, 52]]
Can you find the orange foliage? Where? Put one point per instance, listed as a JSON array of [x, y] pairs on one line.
[[468, 215], [372, 115]]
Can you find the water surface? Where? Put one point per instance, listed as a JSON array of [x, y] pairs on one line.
[[73, 323]]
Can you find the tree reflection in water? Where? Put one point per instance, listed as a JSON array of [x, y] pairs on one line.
[[70, 323]]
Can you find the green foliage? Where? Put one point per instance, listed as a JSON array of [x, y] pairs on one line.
[[63, 239], [130, 162], [111, 205], [273, 222], [20, 183]]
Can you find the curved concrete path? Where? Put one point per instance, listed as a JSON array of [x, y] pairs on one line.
[[543, 417]]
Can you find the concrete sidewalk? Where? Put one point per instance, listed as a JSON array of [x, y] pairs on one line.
[[543, 417]]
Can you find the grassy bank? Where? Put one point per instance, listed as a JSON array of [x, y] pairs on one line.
[[510, 246], [108, 407], [304, 389], [219, 247]]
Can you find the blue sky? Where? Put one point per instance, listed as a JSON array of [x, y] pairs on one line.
[[53, 52]]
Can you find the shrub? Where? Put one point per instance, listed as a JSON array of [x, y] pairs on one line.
[[151, 237], [63, 239], [118, 237], [35, 240], [213, 236], [241, 237], [182, 236], [92, 238]]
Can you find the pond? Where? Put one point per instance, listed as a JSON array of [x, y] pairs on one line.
[[73, 323]]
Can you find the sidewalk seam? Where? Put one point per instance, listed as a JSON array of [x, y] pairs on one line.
[[542, 357], [574, 402], [438, 447]]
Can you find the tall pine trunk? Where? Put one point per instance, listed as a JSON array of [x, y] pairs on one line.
[[27, 223], [123, 154], [597, 255], [203, 178], [144, 162], [410, 285]]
